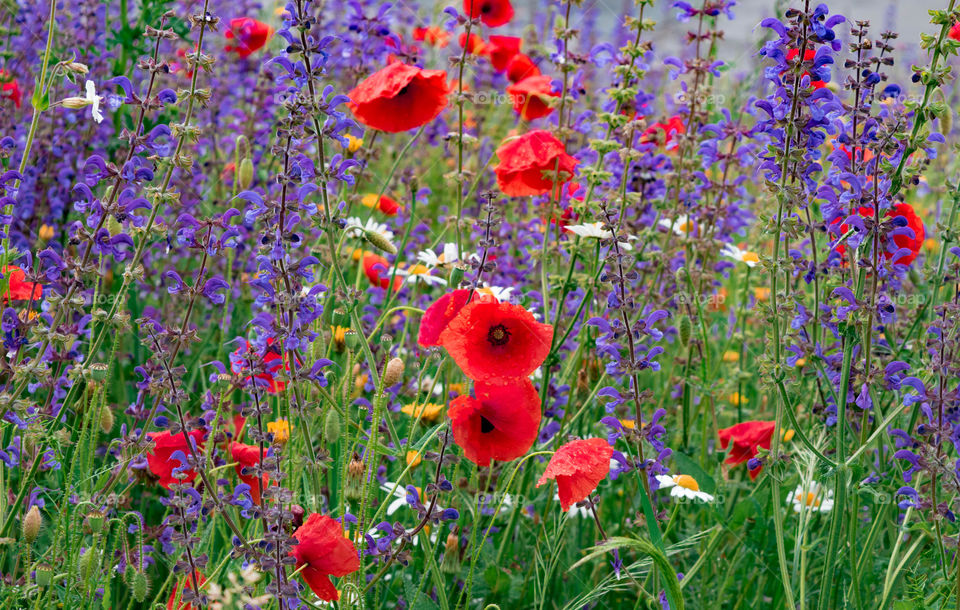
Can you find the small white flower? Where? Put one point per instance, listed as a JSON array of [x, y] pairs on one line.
[[576, 511], [444, 259], [420, 274], [94, 100], [590, 229], [811, 496], [357, 227], [681, 226], [684, 486], [744, 256]]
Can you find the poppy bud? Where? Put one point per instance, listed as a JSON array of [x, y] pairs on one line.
[[298, 513], [106, 419], [87, 563], [243, 147], [451, 554], [685, 330], [246, 173], [94, 521], [456, 276], [31, 524], [380, 242], [331, 426], [77, 67], [393, 374], [139, 585], [75, 103]]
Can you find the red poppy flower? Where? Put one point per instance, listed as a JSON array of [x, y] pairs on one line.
[[914, 244], [808, 55], [578, 467], [433, 35], [500, 424], [493, 13], [248, 456], [520, 67], [161, 461], [377, 270], [20, 290], [664, 133], [385, 204], [436, 318], [182, 590], [954, 31], [527, 164], [475, 46], [530, 97], [399, 97], [501, 50], [325, 552], [272, 361], [10, 88], [494, 342], [748, 437], [251, 35]]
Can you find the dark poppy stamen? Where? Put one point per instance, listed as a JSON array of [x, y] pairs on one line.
[[498, 335], [485, 425]]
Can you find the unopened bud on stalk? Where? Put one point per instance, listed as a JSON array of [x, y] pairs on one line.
[[139, 585], [685, 329], [44, 575], [352, 339], [380, 242], [331, 426], [75, 103], [31, 524], [451, 554], [353, 485], [246, 173], [77, 68], [393, 373], [87, 563], [106, 419], [94, 521]]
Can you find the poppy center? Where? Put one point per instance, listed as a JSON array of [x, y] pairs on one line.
[[485, 425], [485, 8], [404, 90], [498, 335]]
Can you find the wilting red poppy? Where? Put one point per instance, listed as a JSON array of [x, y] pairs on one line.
[[664, 133], [808, 55], [747, 437], [10, 88], [20, 290], [433, 35], [475, 46], [520, 67], [250, 35], [493, 13], [527, 164], [272, 361], [914, 244], [530, 97], [494, 342], [377, 270], [436, 318], [501, 50], [399, 97], [500, 424], [160, 459], [578, 467], [325, 552], [248, 456], [182, 591]]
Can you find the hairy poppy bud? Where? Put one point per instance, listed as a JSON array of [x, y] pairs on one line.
[[685, 329], [451, 554], [87, 563], [246, 173], [139, 585], [331, 426], [393, 374], [380, 242], [353, 485], [106, 419], [31, 524]]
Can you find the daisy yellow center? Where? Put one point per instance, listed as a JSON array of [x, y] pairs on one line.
[[686, 226], [750, 257], [419, 270], [498, 335], [687, 482], [811, 500]]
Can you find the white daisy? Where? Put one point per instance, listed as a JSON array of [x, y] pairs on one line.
[[811, 496], [744, 256], [357, 227], [595, 230], [447, 257], [420, 274], [681, 226], [684, 486], [501, 293]]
